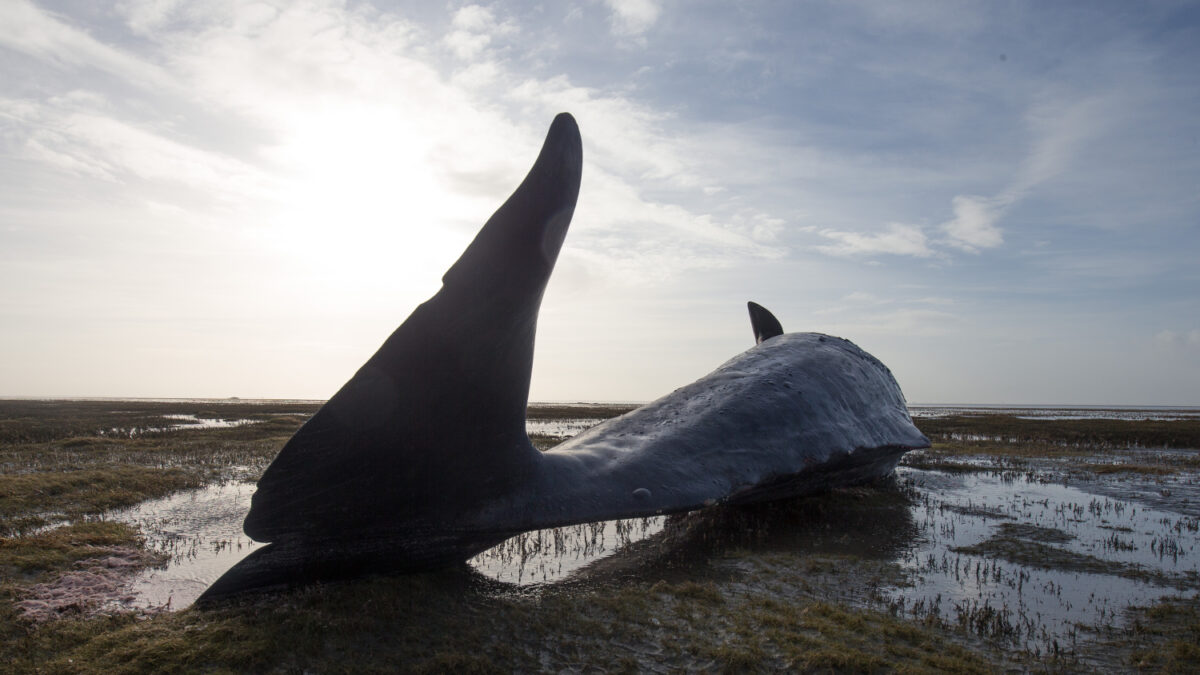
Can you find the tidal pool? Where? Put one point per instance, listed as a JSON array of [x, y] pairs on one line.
[[1016, 558], [1036, 558], [179, 422], [201, 531]]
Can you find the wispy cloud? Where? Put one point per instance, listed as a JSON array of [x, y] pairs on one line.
[[905, 321], [864, 313], [896, 239], [974, 224], [1059, 128], [1178, 339], [473, 28], [363, 130], [318, 164], [82, 139], [632, 18], [26, 28]]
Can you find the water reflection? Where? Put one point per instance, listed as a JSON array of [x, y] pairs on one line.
[[201, 531], [544, 556], [1014, 555]]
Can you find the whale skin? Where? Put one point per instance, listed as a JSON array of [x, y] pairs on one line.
[[421, 459]]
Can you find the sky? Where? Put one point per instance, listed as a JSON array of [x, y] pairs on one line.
[[1000, 200]]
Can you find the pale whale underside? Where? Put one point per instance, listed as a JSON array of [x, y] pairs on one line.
[[421, 459]]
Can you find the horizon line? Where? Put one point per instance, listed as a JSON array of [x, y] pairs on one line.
[[239, 399]]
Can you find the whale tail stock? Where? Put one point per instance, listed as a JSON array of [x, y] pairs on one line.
[[387, 447]]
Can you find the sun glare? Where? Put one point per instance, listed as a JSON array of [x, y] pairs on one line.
[[359, 203]]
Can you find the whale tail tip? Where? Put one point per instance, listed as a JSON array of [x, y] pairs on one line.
[[436, 418]]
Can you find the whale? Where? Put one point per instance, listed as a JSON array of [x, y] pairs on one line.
[[421, 459]]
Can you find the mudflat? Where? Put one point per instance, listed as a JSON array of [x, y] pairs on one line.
[[1019, 540]]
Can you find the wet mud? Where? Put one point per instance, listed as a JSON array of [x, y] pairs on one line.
[[1035, 552]]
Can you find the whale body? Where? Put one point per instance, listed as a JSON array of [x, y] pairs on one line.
[[422, 460]]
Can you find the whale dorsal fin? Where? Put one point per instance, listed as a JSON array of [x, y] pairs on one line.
[[434, 422], [764, 323]]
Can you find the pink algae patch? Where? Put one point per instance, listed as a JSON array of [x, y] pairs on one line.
[[97, 585]]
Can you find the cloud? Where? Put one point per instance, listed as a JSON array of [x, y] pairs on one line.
[[861, 311], [84, 140], [632, 18], [974, 224], [474, 27], [146, 16], [923, 17], [28, 29], [341, 117], [1059, 127], [1178, 339], [897, 239], [905, 321], [861, 296], [635, 240]]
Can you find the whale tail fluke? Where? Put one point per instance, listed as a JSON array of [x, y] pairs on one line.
[[434, 422], [764, 323]]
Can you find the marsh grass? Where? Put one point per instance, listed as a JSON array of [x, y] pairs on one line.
[[769, 606], [1038, 433], [67, 494], [1164, 637], [552, 411], [427, 623], [1031, 546], [1130, 467], [55, 550], [59, 420], [971, 456], [63, 460]]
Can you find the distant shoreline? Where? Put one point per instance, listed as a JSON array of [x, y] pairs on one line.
[[1040, 410]]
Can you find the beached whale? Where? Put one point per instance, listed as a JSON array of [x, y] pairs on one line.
[[421, 459]]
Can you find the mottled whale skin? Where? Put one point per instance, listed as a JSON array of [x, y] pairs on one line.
[[421, 459], [796, 414]]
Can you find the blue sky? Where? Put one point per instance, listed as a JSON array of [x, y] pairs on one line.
[[999, 200]]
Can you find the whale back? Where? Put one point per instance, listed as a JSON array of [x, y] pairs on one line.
[[797, 414]]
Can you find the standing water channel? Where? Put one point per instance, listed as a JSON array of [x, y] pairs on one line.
[[1030, 556]]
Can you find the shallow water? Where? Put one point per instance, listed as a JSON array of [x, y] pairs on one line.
[[182, 422], [1115, 541], [194, 422], [1126, 553], [201, 530], [563, 428], [546, 556]]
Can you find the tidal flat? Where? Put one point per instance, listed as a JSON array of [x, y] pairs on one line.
[[1023, 540]]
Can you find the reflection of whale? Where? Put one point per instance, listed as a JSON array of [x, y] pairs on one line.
[[421, 459]]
